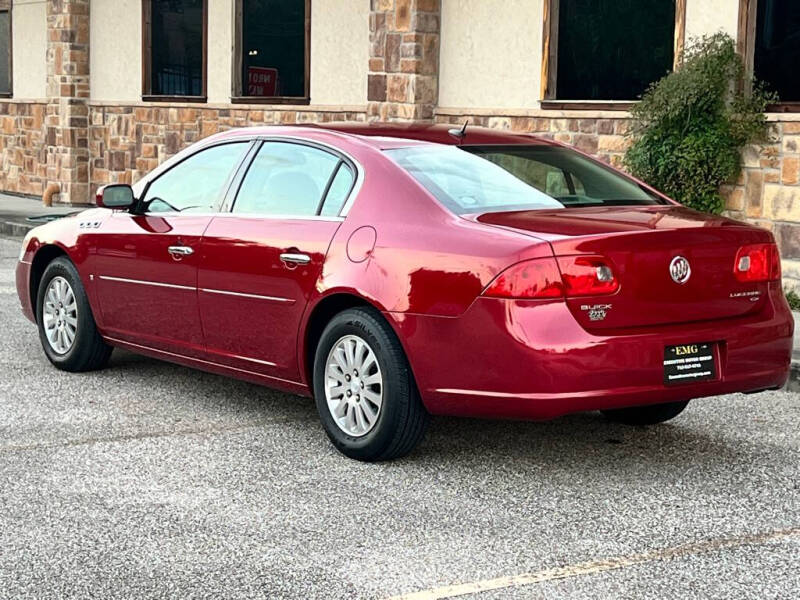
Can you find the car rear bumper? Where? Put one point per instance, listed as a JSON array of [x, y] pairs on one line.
[[532, 360], [23, 277]]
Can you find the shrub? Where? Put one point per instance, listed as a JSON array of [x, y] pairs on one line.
[[691, 126], [793, 299]]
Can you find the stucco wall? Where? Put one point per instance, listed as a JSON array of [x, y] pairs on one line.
[[220, 50], [491, 53], [29, 39], [115, 49], [339, 51], [704, 17]]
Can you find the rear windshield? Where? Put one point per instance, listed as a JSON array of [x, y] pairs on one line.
[[475, 179]]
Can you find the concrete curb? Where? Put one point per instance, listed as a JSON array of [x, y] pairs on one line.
[[14, 229]]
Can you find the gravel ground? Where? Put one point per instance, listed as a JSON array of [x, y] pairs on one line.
[[152, 480]]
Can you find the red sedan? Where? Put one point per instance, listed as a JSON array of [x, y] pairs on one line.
[[393, 273]]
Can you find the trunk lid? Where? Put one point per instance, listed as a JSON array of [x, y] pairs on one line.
[[642, 242]]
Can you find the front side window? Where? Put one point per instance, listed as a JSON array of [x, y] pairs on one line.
[[777, 47], [290, 180], [610, 50], [174, 41], [5, 52], [478, 179], [273, 48], [196, 184]]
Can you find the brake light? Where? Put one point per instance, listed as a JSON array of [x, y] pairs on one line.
[[587, 276], [538, 278], [545, 278], [757, 262]]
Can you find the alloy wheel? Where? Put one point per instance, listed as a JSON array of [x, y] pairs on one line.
[[60, 315], [353, 385]]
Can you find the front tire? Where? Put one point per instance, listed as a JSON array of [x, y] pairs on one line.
[[365, 393], [646, 415], [67, 329]]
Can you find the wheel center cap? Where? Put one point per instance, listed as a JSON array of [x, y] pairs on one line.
[[355, 385]]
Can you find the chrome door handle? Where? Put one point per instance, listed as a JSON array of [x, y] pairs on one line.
[[180, 251], [295, 258]]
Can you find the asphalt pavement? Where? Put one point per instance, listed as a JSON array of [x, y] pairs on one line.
[[151, 480]]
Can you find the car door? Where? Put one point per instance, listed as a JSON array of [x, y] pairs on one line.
[[261, 262], [145, 264]]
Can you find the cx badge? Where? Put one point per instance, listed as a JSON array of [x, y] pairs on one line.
[[679, 270]]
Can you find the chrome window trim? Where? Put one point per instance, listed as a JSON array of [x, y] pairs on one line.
[[244, 295], [184, 155], [241, 215], [142, 282], [349, 158], [167, 165]]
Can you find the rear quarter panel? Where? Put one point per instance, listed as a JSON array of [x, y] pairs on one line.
[[424, 260]]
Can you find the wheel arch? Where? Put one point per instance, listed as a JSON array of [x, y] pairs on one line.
[[43, 257], [319, 315]]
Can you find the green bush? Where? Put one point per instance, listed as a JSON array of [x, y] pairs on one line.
[[793, 299], [691, 126]]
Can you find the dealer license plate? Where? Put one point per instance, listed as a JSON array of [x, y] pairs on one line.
[[687, 363]]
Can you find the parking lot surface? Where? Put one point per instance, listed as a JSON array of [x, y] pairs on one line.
[[152, 480]]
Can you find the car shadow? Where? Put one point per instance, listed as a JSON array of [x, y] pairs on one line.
[[577, 441]]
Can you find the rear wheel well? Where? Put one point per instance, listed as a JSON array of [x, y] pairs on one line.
[[323, 312], [43, 257]]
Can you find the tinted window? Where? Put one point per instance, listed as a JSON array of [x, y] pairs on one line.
[[5, 53], [483, 179], [273, 48], [196, 184], [777, 52], [176, 47], [285, 179], [339, 191], [613, 50]]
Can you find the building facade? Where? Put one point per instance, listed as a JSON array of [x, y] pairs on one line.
[[100, 91]]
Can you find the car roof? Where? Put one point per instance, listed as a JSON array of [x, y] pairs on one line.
[[391, 135]]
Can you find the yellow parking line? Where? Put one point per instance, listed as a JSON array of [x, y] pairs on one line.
[[597, 566]]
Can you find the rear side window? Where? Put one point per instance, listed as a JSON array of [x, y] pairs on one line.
[[339, 191], [197, 183], [475, 179], [287, 179]]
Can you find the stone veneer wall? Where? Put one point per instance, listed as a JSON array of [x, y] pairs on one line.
[[768, 191], [128, 140], [602, 134], [23, 149], [403, 79]]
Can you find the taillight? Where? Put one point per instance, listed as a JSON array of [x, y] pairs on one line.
[[541, 278], [587, 276], [757, 262], [538, 278]]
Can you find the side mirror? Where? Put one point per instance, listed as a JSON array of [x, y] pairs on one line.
[[115, 195]]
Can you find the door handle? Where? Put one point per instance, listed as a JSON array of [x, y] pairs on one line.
[[178, 252], [295, 258]]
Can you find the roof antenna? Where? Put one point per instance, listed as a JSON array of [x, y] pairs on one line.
[[459, 133]]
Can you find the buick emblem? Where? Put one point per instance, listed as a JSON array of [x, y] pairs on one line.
[[679, 270]]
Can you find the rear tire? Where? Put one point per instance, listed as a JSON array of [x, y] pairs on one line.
[[646, 415], [61, 303], [375, 414]]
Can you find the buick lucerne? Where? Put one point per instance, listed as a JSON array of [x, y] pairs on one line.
[[393, 273]]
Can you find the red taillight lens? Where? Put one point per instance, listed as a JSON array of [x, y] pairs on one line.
[[537, 278], [757, 262], [587, 276], [540, 278]]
